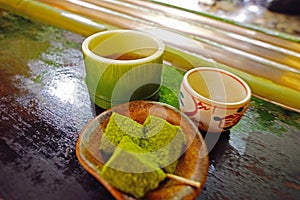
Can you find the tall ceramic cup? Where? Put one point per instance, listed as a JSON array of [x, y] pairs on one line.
[[122, 65], [213, 98]]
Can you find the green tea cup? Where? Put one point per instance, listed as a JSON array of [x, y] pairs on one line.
[[121, 66]]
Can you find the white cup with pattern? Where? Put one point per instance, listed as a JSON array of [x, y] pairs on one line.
[[213, 98]]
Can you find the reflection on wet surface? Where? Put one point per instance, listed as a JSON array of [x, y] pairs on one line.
[[43, 107], [265, 162], [44, 104]]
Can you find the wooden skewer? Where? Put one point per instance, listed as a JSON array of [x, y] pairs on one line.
[[184, 180]]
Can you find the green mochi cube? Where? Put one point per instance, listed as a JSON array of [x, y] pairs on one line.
[[118, 127], [165, 141], [131, 170], [136, 154]]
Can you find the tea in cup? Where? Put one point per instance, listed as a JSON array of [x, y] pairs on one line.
[[213, 98], [121, 66]]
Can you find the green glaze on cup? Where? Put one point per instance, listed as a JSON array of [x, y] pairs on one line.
[[121, 66]]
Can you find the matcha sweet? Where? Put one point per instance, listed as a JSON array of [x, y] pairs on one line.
[[131, 170], [118, 127], [140, 155], [164, 140]]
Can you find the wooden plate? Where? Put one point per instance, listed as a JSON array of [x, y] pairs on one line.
[[193, 164]]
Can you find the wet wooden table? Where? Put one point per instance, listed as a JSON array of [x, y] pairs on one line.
[[44, 104]]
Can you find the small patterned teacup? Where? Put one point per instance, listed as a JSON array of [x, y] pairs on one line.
[[213, 98]]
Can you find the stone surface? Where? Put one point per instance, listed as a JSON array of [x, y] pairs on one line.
[[44, 104]]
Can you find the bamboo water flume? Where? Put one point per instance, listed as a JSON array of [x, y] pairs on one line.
[[255, 61], [220, 23], [50, 15], [253, 64], [288, 60], [279, 92], [184, 25]]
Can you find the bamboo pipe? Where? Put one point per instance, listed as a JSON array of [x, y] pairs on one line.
[[191, 29], [47, 14], [261, 87], [269, 36], [224, 26], [98, 13], [259, 90], [227, 58], [247, 62]]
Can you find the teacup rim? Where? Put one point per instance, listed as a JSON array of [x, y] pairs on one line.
[[159, 52], [214, 102]]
